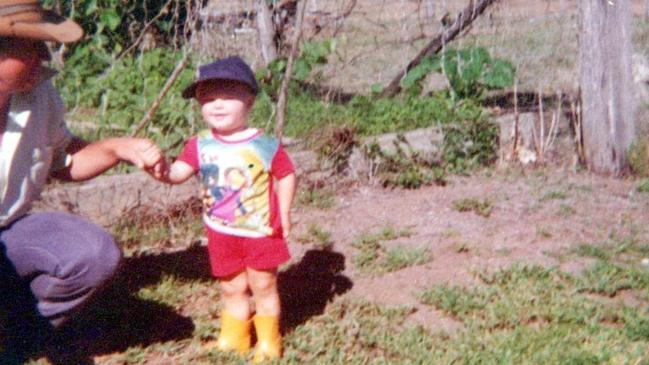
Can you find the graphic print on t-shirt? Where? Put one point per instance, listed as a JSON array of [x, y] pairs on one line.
[[235, 181]]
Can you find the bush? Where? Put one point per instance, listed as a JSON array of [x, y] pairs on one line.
[[639, 157], [120, 95]]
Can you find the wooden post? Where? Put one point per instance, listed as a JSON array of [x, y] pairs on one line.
[[606, 79]]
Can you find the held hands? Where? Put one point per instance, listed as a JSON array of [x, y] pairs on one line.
[[144, 154]]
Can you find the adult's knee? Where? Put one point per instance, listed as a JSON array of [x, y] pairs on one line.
[[99, 260]]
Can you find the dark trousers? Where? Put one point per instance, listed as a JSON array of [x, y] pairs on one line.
[[50, 265]]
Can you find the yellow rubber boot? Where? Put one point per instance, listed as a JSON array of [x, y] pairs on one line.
[[234, 335], [269, 340]]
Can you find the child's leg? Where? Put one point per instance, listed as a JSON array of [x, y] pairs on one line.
[[235, 317], [235, 295], [263, 284]]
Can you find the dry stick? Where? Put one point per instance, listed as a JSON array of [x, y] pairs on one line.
[[283, 91], [552, 133], [170, 81], [516, 122], [462, 21], [143, 32], [542, 124]]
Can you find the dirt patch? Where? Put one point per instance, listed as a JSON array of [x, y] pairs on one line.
[[537, 218]]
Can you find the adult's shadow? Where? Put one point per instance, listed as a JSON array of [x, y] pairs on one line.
[[306, 287], [117, 318]]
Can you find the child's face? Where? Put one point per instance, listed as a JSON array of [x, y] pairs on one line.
[[225, 105]]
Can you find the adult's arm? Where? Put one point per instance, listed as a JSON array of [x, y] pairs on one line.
[[92, 159]]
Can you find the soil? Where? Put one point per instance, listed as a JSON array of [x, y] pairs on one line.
[[538, 217]]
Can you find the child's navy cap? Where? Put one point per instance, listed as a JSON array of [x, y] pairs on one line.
[[231, 68]]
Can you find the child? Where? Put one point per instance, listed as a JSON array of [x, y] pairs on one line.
[[248, 183]]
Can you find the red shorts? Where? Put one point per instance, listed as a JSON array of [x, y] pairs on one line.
[[232, 254]]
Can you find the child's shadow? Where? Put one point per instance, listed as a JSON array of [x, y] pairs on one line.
[[119, 318], [306, 287]]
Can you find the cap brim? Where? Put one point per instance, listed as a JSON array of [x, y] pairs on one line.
[[52, 27]]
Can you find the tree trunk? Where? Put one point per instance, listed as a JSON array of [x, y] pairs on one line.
[[266, 32], [607, 96]]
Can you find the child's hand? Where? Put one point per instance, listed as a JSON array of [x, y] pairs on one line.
[[160, 171], [141, 152]]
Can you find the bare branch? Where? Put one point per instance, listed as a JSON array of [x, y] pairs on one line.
[[283, 93]]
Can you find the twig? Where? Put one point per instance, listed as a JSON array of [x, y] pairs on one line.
[[552, 133], [516, 121], [170, 81], [283, 92], [143, 31]]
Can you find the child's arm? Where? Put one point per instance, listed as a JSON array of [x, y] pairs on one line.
[[177, 173], [285, 193]]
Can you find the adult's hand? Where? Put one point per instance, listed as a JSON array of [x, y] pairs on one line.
[[90, 160]]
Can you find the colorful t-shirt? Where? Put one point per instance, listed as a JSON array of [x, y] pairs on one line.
[[237, 181]]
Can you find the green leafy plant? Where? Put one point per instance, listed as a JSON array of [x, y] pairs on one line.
[[312, 55], [470, 72], [121, 96], [470, 141]]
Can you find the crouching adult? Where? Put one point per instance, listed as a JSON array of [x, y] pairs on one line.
[[50, 263]]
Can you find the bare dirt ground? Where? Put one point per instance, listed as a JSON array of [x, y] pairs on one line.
[[539, 217]]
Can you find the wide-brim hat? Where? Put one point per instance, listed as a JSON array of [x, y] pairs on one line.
[[28, 19], [232, 68]]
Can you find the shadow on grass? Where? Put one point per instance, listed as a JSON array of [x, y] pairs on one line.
[[117, 319], [306, 287]]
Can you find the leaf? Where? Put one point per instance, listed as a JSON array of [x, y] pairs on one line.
[[376, 88], [91, 7], [110, 18], [301, 69], [500, 75]]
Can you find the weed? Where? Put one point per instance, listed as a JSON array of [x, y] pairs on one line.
[[643, 186], [405, 167], [469, 142], [374, 257], [320, 198], [554, 195], [565, 211], [319, 237], [480, 207], [461, 247], [638, 156], [336, 148], [543, 232], [401, 257]]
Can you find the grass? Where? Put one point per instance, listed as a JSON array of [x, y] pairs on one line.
[[482, 208], [531, 315], [317, 236], [374, 257]]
